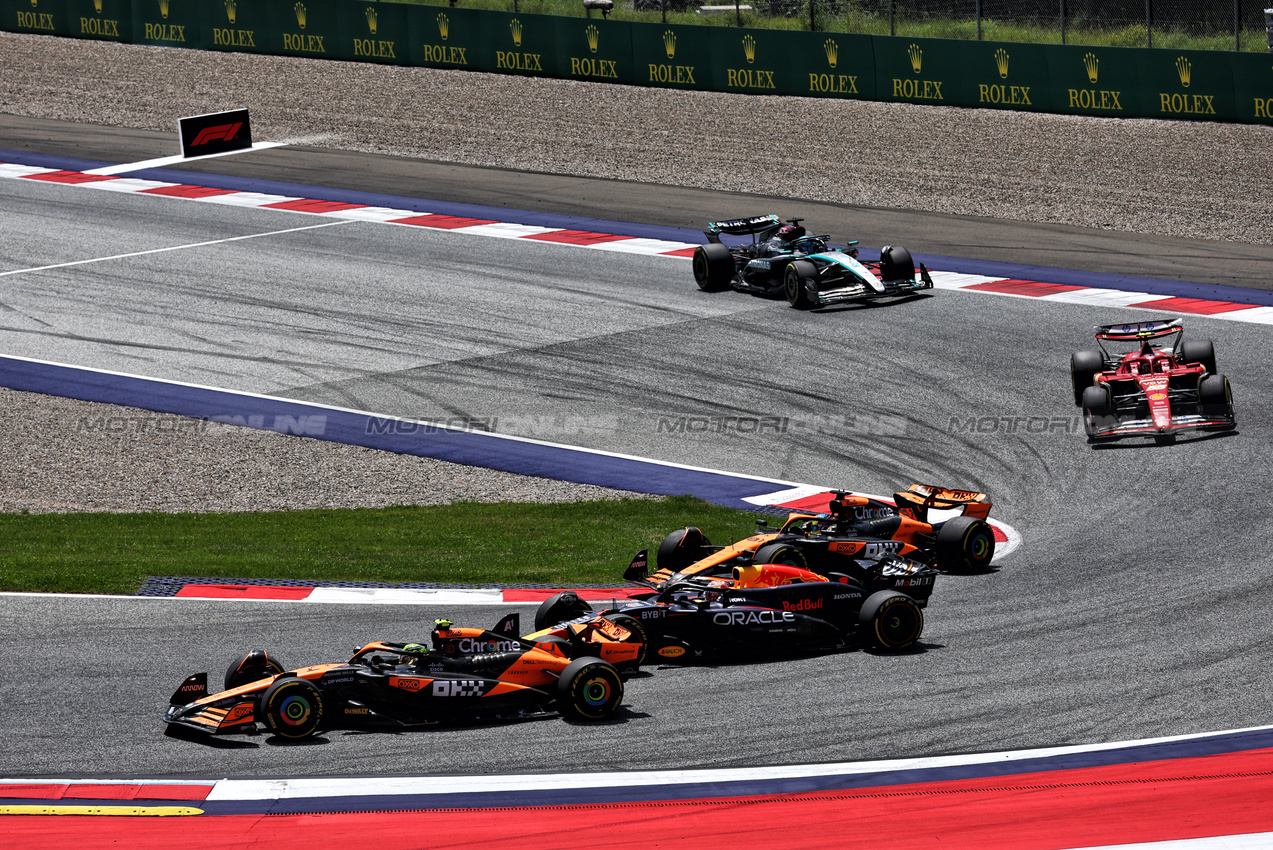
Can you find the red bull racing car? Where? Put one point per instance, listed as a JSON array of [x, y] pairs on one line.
[[467, 674], [783, 260], [1145, 388]]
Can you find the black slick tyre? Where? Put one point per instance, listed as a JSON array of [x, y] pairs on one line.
[[1098, 409], [1084, 366], [896, 263], [291, 708], [254, 666], [680, 549], [589, 689], [559, 608], [713, 267], [1215, 398], [780, 553], [890, 621], [796, 282], [637, 635], [1199, 351], [965, 545]]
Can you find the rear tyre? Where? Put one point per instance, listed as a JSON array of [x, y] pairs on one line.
[[890, 621], [1199, 351], [896, 263], [633, 625], [291, 708], [1084, 366], [796, 280], [254, 666], [589, 689], [1215, 398], [780, 553], [681, 548], [965, 545], [713, 267], [559, 608]]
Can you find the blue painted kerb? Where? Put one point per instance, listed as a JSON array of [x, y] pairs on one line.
[[491, 451]]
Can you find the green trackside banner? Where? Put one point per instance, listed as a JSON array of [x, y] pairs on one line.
[[834, 65], [304, 28], [44, 17], [920, 70], [754, 61], [1004, 76], [170, 23], [519, 44], [443, 37], [1100, 81], [239, 25], [1253, 87], [374, 32], [107, 20], [672, 56], [1186, 84], [594, 49]]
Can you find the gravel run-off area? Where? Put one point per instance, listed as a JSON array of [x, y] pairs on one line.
[[1176, 178]]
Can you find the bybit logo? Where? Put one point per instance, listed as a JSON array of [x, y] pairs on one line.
[[1001, 62], [231, 11], [917, 58], [669, 44], [593, 36], [444, 25], [1093, 66], [832, 50], [515, 26], [1184, 70], [371, 19], [749, 48]]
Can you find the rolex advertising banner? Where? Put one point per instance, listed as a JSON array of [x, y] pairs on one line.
[[1000, 75], [1253, 87], [834, 65], [240, 25], [375, 32], [672, 56], [755, 61], [1102, 81], [305, 28], [594, 49], [169, 23], [443, 37], [46, 17], [519, 44], [107, 20], [920, 70], [1186, 84]]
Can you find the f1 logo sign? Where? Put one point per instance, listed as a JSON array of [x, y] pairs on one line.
[[216, 132]]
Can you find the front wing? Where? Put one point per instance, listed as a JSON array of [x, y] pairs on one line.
[[855, 289]]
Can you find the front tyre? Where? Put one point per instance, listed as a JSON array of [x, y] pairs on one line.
[[797, 280], [681, 548], [589, 689], [253, 667], [896, 263], [1215, 398], [965, 545], [291, 708], [713, 267], [559, 608], [890, 621]]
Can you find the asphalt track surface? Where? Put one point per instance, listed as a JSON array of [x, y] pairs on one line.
[[1136, 608]]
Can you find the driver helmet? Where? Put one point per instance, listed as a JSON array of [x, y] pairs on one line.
[[790, 232]]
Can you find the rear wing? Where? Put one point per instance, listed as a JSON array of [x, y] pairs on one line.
[[1137, 331], [752, 226], [918, 499]]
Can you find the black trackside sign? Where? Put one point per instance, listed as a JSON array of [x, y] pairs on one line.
[[216, 132]]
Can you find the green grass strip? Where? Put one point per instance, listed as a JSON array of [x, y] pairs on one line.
[[503, 543]]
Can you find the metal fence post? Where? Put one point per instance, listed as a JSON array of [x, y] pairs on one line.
[[1237, 18], [892, 30], [1063, 21], [812, 28], [978, 20], [1149, 22], [1268, 27]]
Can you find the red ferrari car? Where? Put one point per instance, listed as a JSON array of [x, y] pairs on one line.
[[1151, 390]]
